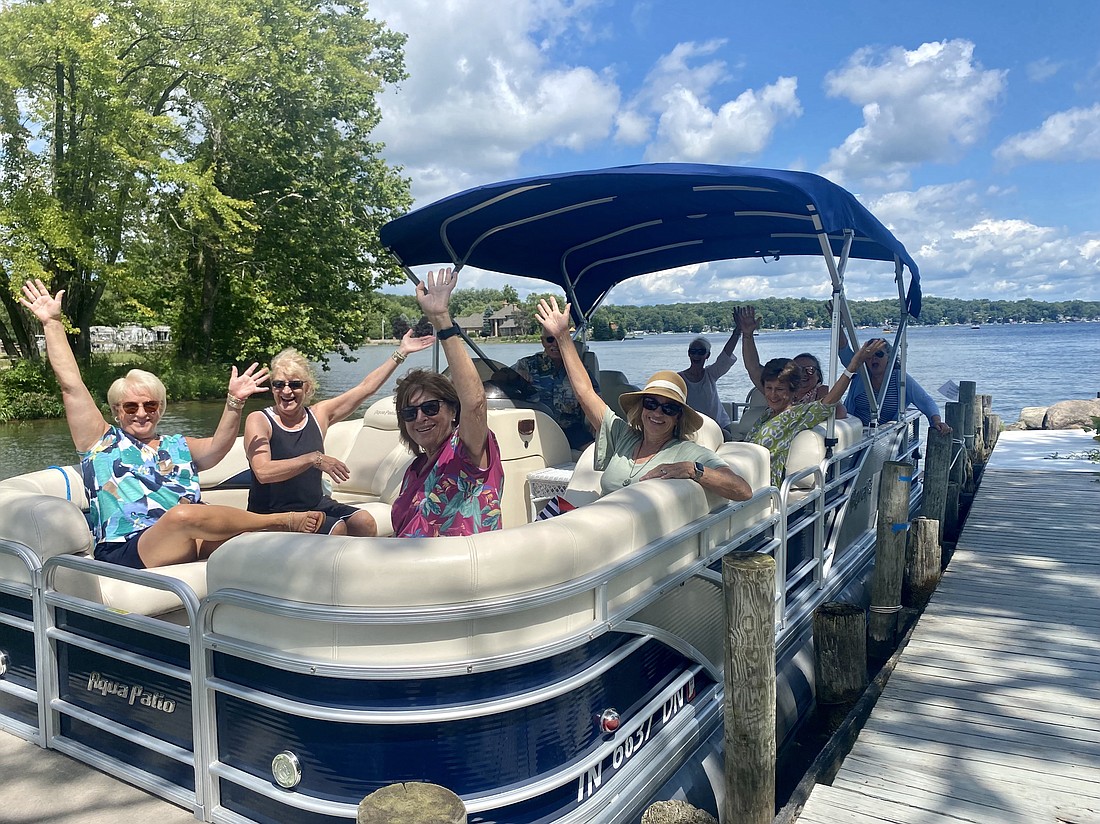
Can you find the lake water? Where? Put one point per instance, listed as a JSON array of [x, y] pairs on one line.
[[1019, 365]]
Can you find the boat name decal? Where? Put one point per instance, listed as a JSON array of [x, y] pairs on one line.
[[592, 779], [861, 494], [131, 693]]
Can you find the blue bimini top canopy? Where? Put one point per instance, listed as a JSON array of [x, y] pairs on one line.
[[588, 231]]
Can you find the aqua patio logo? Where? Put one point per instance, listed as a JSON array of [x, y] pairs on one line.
[[132, 694]]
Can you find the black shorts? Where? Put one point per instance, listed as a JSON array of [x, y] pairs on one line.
[[334, 513], [123, 553]]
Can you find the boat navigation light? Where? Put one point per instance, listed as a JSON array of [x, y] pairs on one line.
[[286, 770], [609, 721]]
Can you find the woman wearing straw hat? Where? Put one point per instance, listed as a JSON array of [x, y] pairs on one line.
[[652, 443]]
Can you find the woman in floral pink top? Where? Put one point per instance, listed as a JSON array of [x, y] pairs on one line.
[[453, 487]]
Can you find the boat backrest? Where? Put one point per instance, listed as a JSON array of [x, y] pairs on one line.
[[520, 456], [491, 567], [612, 385], [376, 458], [751, 461], [808, 446], [750, 413]]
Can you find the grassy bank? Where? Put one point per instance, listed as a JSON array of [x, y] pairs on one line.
[[28, 389]]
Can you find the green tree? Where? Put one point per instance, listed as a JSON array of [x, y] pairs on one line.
[[210, 162]]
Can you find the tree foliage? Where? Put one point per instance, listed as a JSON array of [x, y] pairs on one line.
[[207, 164]]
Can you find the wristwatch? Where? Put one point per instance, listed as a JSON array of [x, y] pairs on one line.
[[699, 470], [449, 332]]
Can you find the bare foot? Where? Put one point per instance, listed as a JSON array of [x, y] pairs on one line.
[[304, 521]]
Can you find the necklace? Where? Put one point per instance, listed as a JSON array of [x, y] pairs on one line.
[[638, 469]]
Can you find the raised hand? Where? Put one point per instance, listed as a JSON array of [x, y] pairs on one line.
[[248, 382], [868, 349], [36, 299], [553, 320], [434, 294], [746, 319], [411, 343]]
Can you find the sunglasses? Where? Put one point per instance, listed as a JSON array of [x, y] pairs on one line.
[[673, 410], [131, 407], [429, 408], [881, 353], [548, 339], [294, 385], [697, 352]]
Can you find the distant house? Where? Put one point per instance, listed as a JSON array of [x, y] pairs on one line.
[[132, 336], [506, 322], [103, 338]]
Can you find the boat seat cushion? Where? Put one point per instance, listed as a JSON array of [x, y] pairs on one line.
[[751, 461], [437, 572], [808, 447]]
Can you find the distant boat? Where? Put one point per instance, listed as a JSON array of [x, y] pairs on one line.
[[975, 326], [635, 335]]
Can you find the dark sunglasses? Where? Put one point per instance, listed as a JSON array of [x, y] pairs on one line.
[[698, 352], [131, 407], [429, 408], [294, 385], [881, 353], [673, 410], [548, 339]]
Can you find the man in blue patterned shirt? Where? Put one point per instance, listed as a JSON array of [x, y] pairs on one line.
[[546, 372]]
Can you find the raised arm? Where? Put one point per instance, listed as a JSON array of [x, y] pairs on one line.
[[556, 322], [86, 422], [434, 296], [747, 324], [919, 397], [208, 452], [336, 409], [836, 392]]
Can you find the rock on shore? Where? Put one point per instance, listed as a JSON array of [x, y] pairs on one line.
[[1062, 415]]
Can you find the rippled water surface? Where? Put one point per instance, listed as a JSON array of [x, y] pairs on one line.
[[1019, 365]]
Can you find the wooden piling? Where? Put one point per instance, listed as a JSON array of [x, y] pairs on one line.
[[937, 465], [923, 560], [967, 401], [748, 580], [840, 652], [893, 521], [411, 803], [953, 414]]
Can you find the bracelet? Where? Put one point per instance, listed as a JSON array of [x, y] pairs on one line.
[[319, 456], [449, 332], [849, 373], [398, 356], [234, 403]]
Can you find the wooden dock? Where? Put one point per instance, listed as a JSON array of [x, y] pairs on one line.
[[993, 711]]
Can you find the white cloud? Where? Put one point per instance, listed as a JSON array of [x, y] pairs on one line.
[[677, 96], [964, 251], [1039, 71], [483, 89], [918, 106], [1069, 135]]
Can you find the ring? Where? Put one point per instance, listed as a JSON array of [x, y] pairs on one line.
[[664, 471]]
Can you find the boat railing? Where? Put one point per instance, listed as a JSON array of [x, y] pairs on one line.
[[606, 617], [25, 620], [54, 635]]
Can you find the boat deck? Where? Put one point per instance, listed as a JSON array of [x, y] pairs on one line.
[[993, 712]]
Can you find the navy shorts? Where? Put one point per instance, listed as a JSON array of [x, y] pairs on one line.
[[123, 553], [334, 513]]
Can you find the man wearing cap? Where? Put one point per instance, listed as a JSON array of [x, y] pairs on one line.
[[702, 381], [653, 443], [545, 371]]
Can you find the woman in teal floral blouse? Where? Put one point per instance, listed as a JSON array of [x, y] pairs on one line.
[[784, 419]]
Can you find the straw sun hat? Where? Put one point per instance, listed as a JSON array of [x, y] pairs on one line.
[[665, 384]]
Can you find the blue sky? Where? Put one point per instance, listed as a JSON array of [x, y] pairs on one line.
[[971, 128]]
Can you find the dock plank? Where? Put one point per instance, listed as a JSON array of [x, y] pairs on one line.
[[993, 711]]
